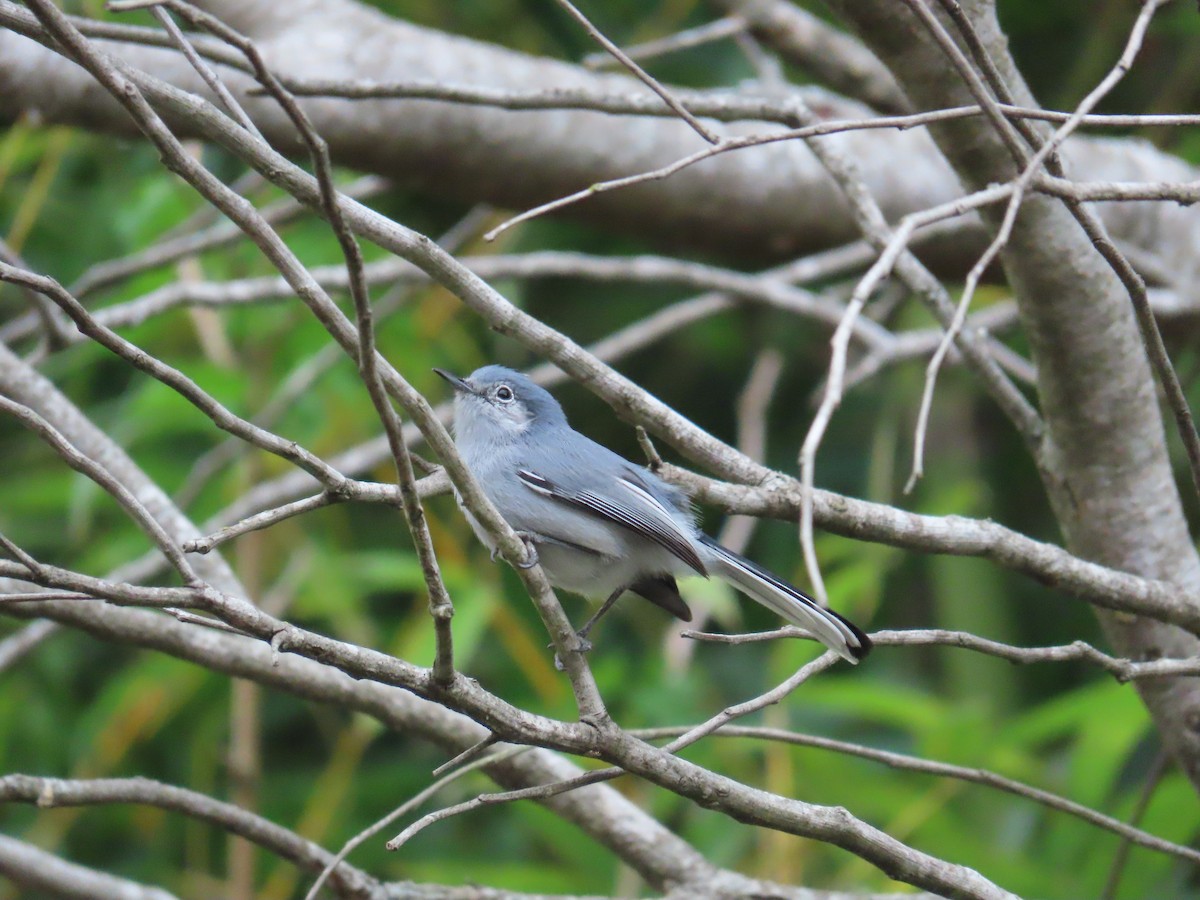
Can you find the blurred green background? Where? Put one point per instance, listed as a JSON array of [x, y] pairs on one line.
[[80, 708]]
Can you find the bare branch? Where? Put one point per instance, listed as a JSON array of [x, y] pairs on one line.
[[17, 646], [360, 677], [404, 809], [717, 30], [641, 74], [724, 107], [85, 587], [947, 770], [832, 56], [870, 218], [613, 820], [1121, 858], [1047, 150], [958, 536], [345, 879], [1123, 670], [799, 113], [121, 82], [262, 520], [748, 194], [440, 606], [771, 288], [1098, 480], [174, 379], [179, 39], [37, 870], [83, 464]]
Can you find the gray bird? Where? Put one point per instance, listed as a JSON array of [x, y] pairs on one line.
[[600, 525]]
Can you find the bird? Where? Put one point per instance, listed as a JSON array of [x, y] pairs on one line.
[[598, 524]]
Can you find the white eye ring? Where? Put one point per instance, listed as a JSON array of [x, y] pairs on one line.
[[504, 394]]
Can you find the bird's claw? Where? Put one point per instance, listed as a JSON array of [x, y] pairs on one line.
[[582, 645], [531, 554]]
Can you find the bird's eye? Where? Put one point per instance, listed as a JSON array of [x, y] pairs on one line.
[[504, 394]]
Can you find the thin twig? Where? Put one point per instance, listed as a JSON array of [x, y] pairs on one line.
[[191, 618], [20, 555], [871, 220], [440, 606], [811, 129], [467, 755], [20, 644], [1020, 185], [404, 809], [203, 69], [221, 416], [653, 460], [716, 30], [689, 737], [1123, 670], [1158, 768], [41, 596], [263, 520], [907, 763], [641, 74], [85, 465]]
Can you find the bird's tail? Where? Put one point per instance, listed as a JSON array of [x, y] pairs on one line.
[[836, 633]]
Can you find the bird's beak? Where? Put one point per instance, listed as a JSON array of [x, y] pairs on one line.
[[459, 384]]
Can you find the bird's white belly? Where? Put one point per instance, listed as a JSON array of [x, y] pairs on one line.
[[583, 573]]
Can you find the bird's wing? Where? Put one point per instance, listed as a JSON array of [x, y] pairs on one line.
[[631, 506]]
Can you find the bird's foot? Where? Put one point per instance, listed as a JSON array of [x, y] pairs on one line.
[[582, 645], [531, 554]]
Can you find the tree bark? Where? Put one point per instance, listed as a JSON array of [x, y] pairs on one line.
[[1110, 482], [752, 205]]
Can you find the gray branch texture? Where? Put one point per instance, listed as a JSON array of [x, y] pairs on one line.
[[880, 227]]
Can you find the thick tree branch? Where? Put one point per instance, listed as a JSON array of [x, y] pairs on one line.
[[776, 200], [1109, 478], [45, 874], [346, 880], [832, 57]]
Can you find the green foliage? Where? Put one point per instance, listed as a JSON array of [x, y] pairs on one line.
[[81, 707]]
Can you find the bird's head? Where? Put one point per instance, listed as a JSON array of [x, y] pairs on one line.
[[496, 404]]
